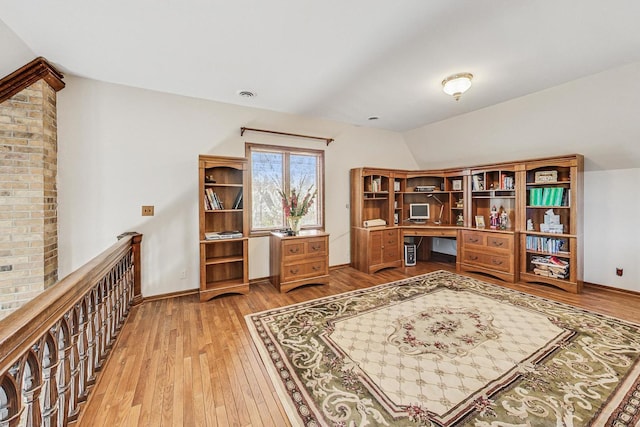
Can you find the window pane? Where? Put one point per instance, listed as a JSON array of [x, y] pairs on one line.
[[266, 179], [303, 172]]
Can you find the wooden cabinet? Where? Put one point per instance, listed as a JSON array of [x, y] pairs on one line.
[[298, 260], [223, 226], [377, 248], [490, 252], [551, 223]]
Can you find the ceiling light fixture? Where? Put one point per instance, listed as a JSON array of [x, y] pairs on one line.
[[457, 84]]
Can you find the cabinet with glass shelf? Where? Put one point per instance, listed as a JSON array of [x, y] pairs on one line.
[[551, 223], [223, 226]]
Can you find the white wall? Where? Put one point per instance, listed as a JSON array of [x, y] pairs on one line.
[[611, 230], [594, 116], [120, 148], [15, 53]]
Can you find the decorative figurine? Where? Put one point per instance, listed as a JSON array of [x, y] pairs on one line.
[[493, 218], [529, 225], [504, 220], [460, 220]]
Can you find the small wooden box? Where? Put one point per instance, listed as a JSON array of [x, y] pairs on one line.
[[546, 176]]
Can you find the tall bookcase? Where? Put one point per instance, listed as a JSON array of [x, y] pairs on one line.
[[223, 230], [551, 222]]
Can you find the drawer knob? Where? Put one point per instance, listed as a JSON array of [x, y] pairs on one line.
[[315, 268], [497, 243], [315, 247], [474, 240], [294, 271], [294, 250], [497, 262], [473, 258]]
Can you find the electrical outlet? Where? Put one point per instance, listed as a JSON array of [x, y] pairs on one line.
[[147, 211], [183, 274]]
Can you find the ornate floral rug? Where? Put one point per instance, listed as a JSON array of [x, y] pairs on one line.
[[447, 350]]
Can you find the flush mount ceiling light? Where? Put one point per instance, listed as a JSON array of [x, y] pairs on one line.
[[457, 84]]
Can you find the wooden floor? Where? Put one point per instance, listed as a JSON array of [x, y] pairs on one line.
[[179, 362]]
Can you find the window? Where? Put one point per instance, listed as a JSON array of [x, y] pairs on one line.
[[273, 168]]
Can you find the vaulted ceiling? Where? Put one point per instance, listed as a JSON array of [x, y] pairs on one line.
[[335, 59]]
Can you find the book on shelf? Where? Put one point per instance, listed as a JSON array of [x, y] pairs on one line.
[[237, 204], [222, 235], [214, 201], [547, 196], [477, 183]]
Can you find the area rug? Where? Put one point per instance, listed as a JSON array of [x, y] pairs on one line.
[[447, 350]]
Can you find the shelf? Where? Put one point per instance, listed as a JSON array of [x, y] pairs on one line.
[[215, 184], [559, 255], [224, 260], [538, 184], [496, 196], [224, 284], [548, 206], [236, 239], [565, 284], [556, 235], [223, 210]]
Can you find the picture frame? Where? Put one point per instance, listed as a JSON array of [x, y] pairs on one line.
[[480, 221], [456, 185]]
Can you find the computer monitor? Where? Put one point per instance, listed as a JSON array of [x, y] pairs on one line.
[[419, 211]]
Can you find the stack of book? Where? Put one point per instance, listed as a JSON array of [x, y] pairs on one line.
[[547, 196], [222, 235], [550, 266]]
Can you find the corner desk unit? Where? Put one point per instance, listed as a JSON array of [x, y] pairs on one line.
[[532, 210], [488, 251]]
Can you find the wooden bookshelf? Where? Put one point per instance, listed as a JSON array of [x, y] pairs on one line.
[[223, 261]]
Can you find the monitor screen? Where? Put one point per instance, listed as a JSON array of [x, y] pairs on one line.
[[419, 211]]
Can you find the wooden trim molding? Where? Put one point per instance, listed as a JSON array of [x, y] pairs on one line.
[[612, 289], [25, 76]]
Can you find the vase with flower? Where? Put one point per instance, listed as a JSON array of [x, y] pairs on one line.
[[296, 204]]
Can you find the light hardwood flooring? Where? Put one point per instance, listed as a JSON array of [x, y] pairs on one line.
[[179, 362]]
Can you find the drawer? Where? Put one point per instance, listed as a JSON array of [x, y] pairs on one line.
[[498, 262], [471, 257], [315, 247], [504, 243], [488, 260], [301, 270], [472, 238], [293, 248]]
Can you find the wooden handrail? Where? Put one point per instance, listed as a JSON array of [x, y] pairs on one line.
[[51, 348]]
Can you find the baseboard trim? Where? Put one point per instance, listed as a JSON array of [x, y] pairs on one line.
[[612, 289], [170, 295]]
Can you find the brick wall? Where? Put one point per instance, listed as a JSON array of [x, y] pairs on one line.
[[28, 195]]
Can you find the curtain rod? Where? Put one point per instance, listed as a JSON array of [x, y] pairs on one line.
[[243, 130]]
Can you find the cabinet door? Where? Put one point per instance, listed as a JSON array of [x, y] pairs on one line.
[[375, 247]]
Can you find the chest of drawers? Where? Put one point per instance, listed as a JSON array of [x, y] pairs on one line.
[[298, 260], [488, 252]]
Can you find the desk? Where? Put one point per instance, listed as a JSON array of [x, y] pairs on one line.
[[429, 231]]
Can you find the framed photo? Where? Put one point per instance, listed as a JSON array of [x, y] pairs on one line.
[[456, 185], [480, 221]]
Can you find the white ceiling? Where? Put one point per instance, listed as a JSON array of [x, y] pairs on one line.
[[343, 60]]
